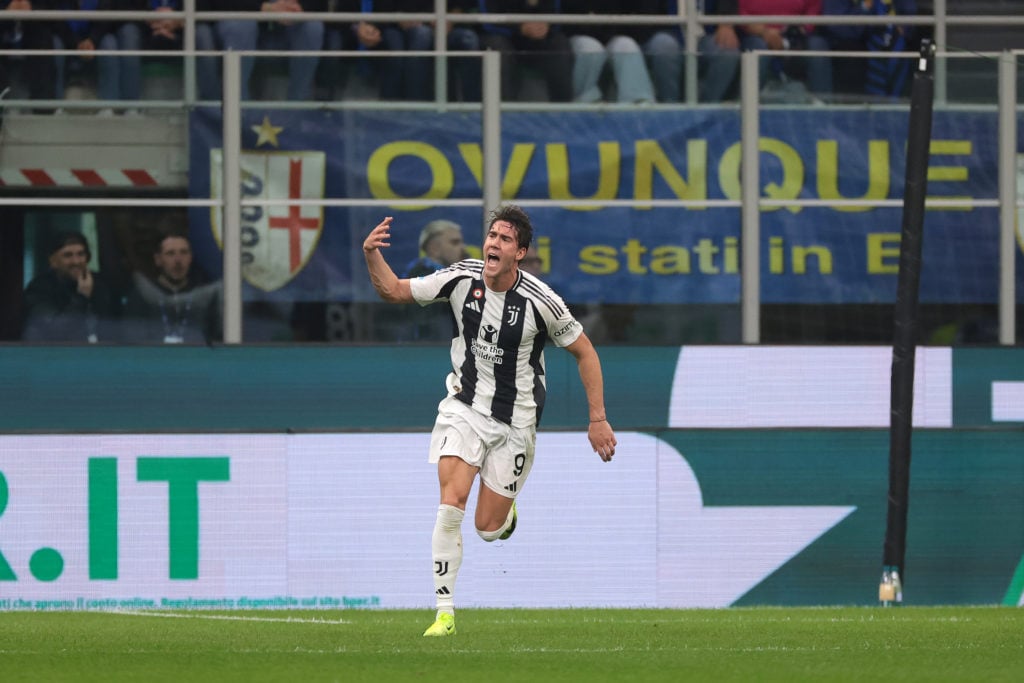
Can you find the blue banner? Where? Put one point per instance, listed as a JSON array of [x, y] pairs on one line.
[[819, 254]]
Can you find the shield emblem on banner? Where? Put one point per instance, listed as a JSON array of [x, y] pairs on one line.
[[278, 239]]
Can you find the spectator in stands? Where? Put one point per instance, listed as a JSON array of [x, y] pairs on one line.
[[532, 263], [881, 76], [38, 73], [68, 302], [787, 40], [719, 50], [441, 244], [539, 44], [409, 78], [628, 49], [248, 35], [177, 306], [117, 77], [163, 33]]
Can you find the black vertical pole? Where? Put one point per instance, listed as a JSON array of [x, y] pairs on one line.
[[905, 327]]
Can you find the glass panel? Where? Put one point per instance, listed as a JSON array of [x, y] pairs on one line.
[[109, 276]]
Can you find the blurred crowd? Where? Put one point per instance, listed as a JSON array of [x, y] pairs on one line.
[[590, 61]]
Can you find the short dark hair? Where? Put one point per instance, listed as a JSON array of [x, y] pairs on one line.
[[514, 215], [63, 239], [165, 235]]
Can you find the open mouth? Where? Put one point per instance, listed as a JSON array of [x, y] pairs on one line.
[[493, 258]]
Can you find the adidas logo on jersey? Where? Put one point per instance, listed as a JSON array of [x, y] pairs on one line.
[[474, 305]]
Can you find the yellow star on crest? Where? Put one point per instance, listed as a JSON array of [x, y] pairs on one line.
[[266, 132]]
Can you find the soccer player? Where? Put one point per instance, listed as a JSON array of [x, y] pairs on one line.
[[487, 424]]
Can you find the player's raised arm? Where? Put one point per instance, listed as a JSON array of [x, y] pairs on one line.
[[388, 285], [600, 433]]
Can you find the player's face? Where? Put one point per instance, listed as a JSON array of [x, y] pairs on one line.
[[501, 250]]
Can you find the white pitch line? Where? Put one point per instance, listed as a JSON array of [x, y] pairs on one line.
[[224, 617]]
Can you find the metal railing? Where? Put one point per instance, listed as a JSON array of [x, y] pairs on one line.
[[750, 204]]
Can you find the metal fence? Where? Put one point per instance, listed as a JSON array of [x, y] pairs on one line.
[[689, 20]]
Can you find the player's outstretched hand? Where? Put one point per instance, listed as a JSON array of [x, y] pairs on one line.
[[602, 438], [379, 237]]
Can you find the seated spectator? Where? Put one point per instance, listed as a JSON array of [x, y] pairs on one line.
[[177, 306], [441, 244], [117, 77], [68, 302], [787, 40], [719, 50], [536, 44], [38, 73], [409, 78], [163, 33], [132, 36], [246, 35], [628, 49], [880, 77]]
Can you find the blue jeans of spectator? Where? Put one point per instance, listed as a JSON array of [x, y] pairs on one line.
[[107, 84], [632, 82], [547, 56], [819, 69], [247, 36], [207, 68], [719, 68], [464, 73], [120, 76], [664, 54], [406, 78]]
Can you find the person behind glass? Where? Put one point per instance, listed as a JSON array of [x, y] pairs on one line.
[[69, 302], [177, 306], [782, 39], [409, 78], [487, 422], [628, 49], [538, 44], [877, 76], [441, 245], [245, 35]]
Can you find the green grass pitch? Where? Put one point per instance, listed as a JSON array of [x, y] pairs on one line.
[[590, 645]]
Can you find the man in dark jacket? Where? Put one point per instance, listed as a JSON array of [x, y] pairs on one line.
[[38, 73], [176, 306], [69, 302]]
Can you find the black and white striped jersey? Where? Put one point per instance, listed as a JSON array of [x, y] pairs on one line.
[[498, 339]]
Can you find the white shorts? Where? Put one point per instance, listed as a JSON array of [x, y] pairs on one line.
[[504, 454]]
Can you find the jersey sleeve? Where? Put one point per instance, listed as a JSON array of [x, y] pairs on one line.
[[433, 287], [562, 326]]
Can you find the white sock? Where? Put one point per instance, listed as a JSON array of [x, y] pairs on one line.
[[446, 549]]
